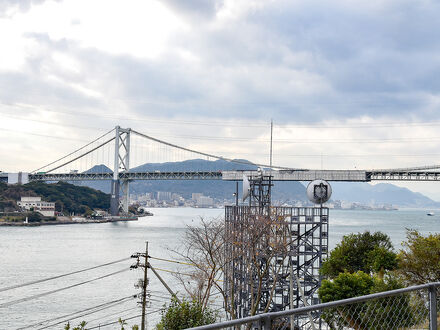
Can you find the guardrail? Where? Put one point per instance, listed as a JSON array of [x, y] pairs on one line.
[[413, 307]]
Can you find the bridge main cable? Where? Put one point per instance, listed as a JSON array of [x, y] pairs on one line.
[[80, 156], [64, 157], [215, 156]]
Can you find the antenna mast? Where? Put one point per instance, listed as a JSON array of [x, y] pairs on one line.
[[271, 140]]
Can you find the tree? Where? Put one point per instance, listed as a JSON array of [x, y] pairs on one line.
[[203, 247], [385, 313], [370, 253], [257, 244], [81, 326], [419, 263], [186, 314], [122, 323], [34, 217]]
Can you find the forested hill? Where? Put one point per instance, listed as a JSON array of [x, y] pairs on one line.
[[67, 197]]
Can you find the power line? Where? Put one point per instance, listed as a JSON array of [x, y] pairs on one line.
[[119, 312], [93, 309], [173, 261], [229, 124], [130, 318], [62, 275], [42, 135], [17, 301], [52, 122]]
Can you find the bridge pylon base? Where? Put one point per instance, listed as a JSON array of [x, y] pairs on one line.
[[114, 198]]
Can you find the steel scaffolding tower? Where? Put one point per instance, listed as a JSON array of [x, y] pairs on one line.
[[273, 257]]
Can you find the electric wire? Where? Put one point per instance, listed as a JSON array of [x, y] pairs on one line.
[[224, 123], [100, 326], [93, 309], [119, 312], [179, 273], [85, 146], [130, 318], [53, 123], [17, 301], [173, 261], [62, 275], [41, 135]]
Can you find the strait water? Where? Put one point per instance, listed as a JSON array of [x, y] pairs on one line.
[[32, 253]]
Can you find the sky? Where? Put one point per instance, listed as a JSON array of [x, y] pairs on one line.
[[348, 84]]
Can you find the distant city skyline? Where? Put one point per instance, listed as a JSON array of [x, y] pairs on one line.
[[347, 84]]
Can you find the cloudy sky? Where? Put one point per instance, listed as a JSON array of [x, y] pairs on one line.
[[348, 84]]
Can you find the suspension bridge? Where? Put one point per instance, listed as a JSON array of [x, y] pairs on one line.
[[121, 155]]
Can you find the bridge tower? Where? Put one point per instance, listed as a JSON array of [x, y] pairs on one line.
[[121, 165]]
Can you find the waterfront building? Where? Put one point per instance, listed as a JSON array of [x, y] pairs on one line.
[[36, 204], [196, 196], [204, 201]]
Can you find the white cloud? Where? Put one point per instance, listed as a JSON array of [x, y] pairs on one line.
[[334, 65]]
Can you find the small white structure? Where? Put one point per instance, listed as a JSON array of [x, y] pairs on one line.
[[45, 208], [18, 178]]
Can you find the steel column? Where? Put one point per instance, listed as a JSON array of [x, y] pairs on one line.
[[432, 308]]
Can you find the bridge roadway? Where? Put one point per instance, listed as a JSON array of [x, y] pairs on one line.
[[283, 175]]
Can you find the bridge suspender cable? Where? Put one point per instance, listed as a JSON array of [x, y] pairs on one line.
[[84, 154], [59, 276], [64, 157], [210, 155]]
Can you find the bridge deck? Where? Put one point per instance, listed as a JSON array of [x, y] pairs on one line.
[[329, 175]]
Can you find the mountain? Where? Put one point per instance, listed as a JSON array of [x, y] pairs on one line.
[[381, 193], [283, 191], [361, 192]]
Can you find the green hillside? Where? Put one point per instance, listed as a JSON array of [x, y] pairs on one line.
[[68, 198]]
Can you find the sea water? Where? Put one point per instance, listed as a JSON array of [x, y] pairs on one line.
[[32, 253]]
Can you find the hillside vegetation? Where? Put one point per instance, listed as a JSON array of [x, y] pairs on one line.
[[68, 198]]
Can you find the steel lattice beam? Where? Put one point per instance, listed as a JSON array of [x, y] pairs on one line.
[[330, 175]]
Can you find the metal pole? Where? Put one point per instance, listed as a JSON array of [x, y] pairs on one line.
[[144, 288], [271, 140], [432, 308], [236, 193], [292, 318], [164, 283]]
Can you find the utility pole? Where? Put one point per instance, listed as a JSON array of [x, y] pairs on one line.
[[144, 288], [144, 282]]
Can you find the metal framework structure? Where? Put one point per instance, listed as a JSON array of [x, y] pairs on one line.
[[352, 176], [273, 254], [293, 241]]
